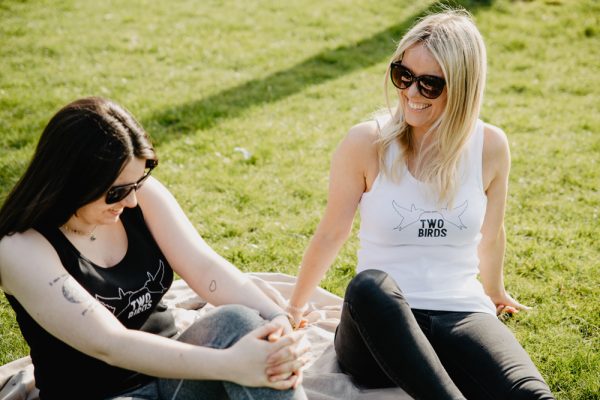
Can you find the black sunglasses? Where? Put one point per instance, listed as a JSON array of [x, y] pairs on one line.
[[118, 193], [429, 86]]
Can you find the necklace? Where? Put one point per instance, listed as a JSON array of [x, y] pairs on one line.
[[81, 233]]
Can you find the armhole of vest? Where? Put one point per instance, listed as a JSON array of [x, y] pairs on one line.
[[61, 245], [478, 154], [380, 173], [392, 150], [53, 236], [136, 218]]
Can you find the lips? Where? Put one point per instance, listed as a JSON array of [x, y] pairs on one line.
[[115, 212], [417, 106]]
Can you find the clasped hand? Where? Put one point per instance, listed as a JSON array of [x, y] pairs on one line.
[[270, 356]]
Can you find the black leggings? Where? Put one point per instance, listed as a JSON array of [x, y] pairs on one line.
[[382, 342]]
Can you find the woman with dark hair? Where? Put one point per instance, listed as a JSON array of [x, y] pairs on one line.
[[87, 253], [430, 180]]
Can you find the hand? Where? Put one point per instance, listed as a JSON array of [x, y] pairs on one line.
[[285, 327], [288, 361], [506, 304], [297, 314], [249, 359]]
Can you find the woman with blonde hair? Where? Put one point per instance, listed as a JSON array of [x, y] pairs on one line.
[[430, 180]]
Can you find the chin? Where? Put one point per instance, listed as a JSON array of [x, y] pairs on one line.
[[418, 123], [416, 120]]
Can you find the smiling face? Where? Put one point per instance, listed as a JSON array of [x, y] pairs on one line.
[[420, 112], [98, 212]]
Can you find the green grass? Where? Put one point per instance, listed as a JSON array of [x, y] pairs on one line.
[[286, 80]]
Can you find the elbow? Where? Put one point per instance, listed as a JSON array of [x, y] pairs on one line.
[[332, 237], [108, 348], [102, 351], [492, 239], [105, 351]]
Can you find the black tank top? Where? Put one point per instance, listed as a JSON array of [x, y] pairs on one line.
[[132, 290]]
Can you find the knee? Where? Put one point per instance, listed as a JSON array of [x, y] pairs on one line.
[[370, 287], [222, 326], [531, 388], [237, 318]]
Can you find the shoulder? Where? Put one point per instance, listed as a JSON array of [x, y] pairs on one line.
[[20, 249], [358, 149], [157, 204], [495, 142], [361, 139], [365, 133], [153, 191], [25, 241], [496, 155]]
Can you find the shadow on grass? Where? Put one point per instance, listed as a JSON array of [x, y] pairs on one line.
[[205, 113]]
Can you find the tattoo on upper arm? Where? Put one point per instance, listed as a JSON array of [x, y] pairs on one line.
[[72, 292], [213, 285], [53, 281]]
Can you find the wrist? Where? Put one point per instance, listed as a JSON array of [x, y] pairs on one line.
[[494, 290], [296, 310], [285, 314], [222, 367]]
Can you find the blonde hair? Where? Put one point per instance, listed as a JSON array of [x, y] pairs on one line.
[[455, 42]]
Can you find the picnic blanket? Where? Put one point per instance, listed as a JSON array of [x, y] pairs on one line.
[[323, 379]]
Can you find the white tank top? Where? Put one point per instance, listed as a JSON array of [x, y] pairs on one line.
[[430, 251]]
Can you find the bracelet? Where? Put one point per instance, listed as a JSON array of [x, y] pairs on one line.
[[296, 310], [291, 319]]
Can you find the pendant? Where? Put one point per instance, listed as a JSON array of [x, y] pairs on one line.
[[92, 237]]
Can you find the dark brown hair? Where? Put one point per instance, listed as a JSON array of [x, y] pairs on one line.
[[80, 154]]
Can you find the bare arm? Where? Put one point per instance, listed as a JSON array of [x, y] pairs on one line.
[[348, 181], [496, 167], [32, 272], [205, 271]]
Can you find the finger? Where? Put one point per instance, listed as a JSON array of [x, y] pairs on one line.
[[262, 332], [276, 335], [285, 341], [515, 304], [280, 377], [287, 367], [520, 306], [284, 355], [287, 330], [284, 384], [299, 378], [499, 309], [284, 322], [296, 348]]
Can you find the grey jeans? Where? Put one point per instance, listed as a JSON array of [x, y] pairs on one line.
[[220, 328]]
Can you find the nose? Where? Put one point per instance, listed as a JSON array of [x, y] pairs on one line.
[[130, 201], [412, 91]]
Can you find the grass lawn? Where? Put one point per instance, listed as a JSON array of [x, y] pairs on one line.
[[285, 81]]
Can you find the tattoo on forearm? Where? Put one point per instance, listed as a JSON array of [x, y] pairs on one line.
[[72, 293], [213, 286]]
